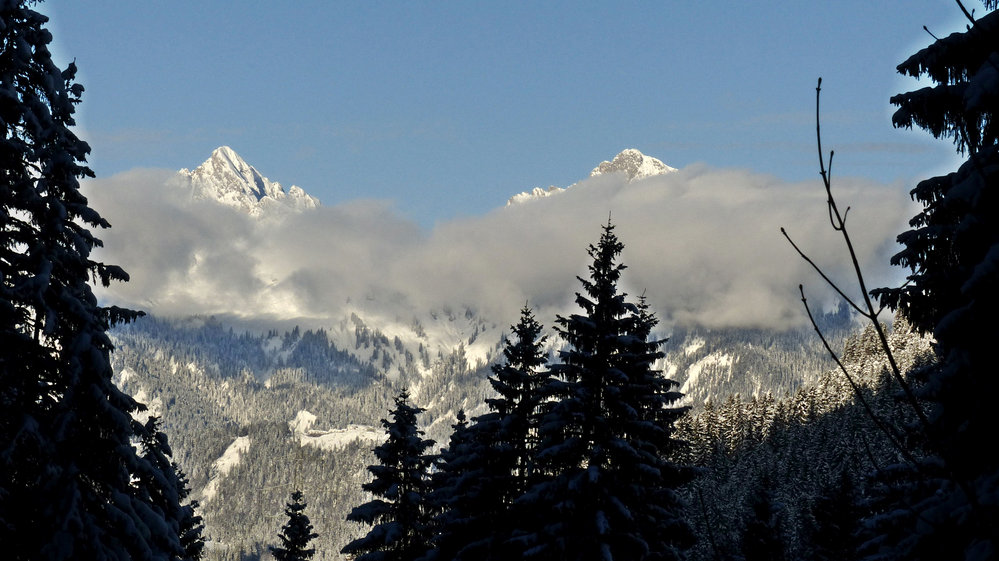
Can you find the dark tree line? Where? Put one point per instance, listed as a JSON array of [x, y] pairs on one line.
[[569, 462]]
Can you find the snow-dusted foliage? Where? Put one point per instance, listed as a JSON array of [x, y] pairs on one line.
[[799, 448], [948, 504], [398, 515], [72, 484], [604, 488]]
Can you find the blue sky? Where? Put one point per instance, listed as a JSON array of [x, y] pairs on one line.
[[448, 108]]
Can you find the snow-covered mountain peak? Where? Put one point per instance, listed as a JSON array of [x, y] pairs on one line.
[[634, 165], [227, 178]]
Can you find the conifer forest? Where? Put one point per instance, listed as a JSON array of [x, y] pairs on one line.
[[599, 431]]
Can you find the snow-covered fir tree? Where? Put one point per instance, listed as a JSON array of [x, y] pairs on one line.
[[165, 489], [296, 533], [606, 490], [399, 515], [945, 506], [488, 465], [70, 485]]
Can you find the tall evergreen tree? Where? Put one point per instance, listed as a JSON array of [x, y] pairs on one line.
[[608, 491], [449, 496], [949, 501], [489, 464], [399, 515], [296, 533], [67, 464], [514, 416], [192, 541], [163, 486]]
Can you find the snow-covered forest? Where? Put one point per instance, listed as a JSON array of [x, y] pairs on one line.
[[596, 429]]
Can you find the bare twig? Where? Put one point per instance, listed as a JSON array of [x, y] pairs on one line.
[[893, 436], [822, 274], [838, 222], [964, 10]]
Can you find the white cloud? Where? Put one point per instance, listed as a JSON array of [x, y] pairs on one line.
[[703, 243]]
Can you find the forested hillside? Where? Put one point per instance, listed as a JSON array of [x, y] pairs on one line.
[[213, 384], [795, 452]]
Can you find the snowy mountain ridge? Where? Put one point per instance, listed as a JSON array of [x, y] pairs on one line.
[[632, 163], [226, 178]]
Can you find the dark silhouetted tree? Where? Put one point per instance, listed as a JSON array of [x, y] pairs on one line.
[[834, 521], [488, 464], [606, 490], [450, 495], [945, 504], [70, 478], [296, 533], [163, 485], [400, 513]]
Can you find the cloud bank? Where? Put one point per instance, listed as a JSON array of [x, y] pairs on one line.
[[703, 244]]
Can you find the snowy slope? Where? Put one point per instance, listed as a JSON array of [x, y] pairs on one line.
[[332, 439]]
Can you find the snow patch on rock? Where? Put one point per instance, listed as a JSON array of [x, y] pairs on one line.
[[331, 439], [222, 466], [694, 346], [634, 165], [713, 361]]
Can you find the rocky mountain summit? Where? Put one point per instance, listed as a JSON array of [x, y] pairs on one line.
[[630, 162], [634, 165], [226, 178]]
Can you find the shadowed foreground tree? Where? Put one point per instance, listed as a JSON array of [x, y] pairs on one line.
[[950, 507], [71, 481], [296, 533], [164, 485], [399, 515], [941, 499], [488, 464], [606, 490]]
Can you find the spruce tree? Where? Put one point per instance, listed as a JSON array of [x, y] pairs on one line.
[[490, 462], [192, 542], [163, 486], [400, 514], [296, 533], [607, 492], [449, 496], [945, 507], [514, 416], [68, 466]]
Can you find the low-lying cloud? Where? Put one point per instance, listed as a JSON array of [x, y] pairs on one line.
[[703, 244]]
